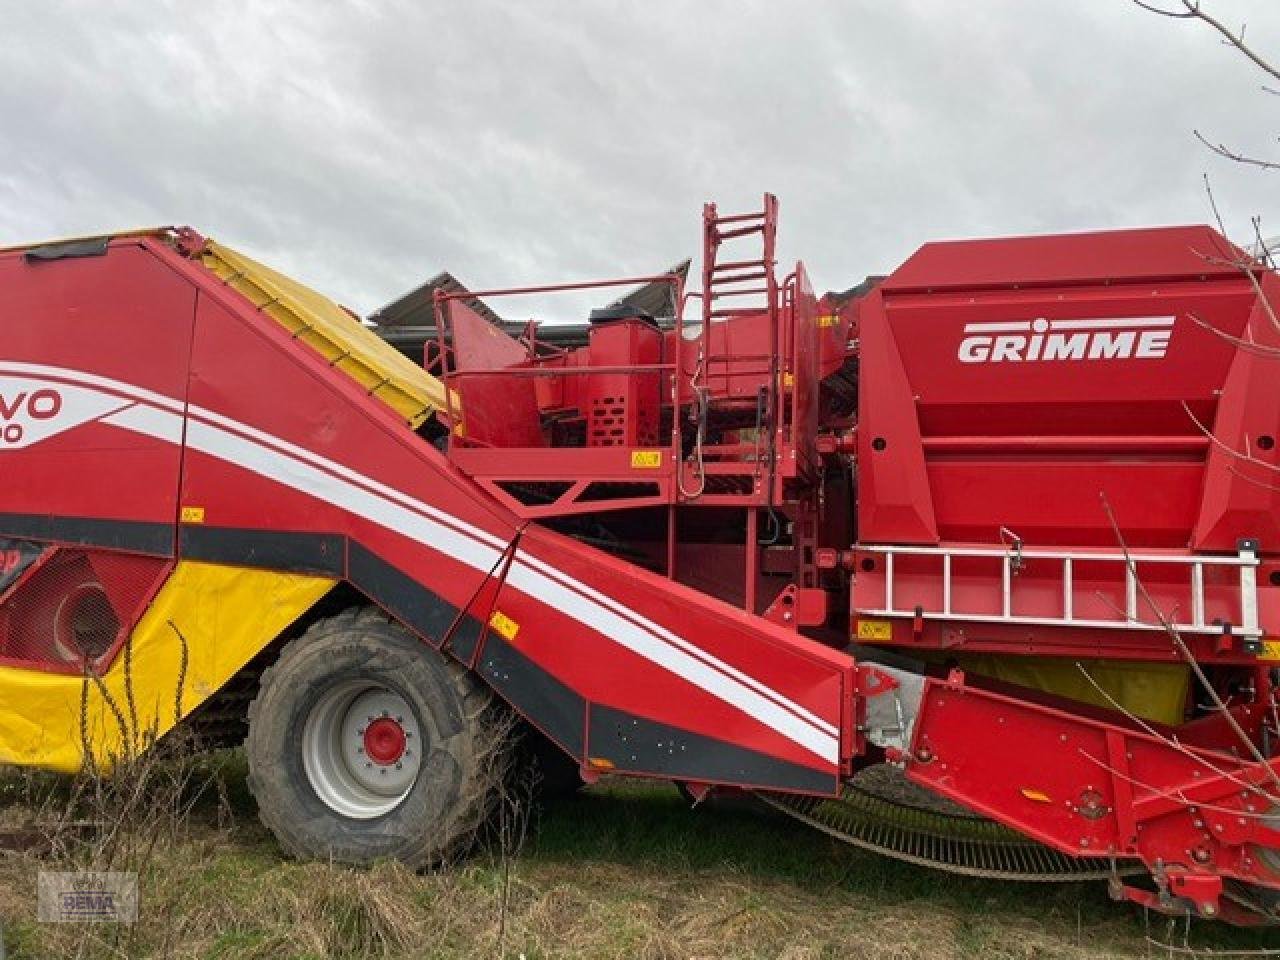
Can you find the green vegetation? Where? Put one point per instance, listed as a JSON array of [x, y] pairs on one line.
[[621, 870]]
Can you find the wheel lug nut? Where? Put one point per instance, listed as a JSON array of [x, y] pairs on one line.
[[399, 766], [383, 771], [359, 749]]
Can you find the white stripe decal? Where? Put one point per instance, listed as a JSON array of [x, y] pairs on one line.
[[333, 483], [1128, 323], [1116, 323], [151, 421], [522, 559], [1011, 326]]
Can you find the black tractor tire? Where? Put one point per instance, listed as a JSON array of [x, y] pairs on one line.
[[462, 738]]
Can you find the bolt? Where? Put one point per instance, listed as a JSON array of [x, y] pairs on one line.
[[383, 771], [408, 734], [399, 765], [368, 764], [1200, 855], [399, 719], [359, 749]]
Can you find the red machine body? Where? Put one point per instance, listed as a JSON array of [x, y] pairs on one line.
[[692, 548]]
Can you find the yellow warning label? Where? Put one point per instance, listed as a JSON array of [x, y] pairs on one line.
[[830, 320], [193, 514], [503, 625], [1270, 649], [875, 630], [646, 459]]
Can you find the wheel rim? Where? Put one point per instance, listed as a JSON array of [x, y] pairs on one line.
[[361, 749]]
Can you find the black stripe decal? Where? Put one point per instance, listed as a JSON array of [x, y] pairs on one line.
[[629, 742], [270, 549], [421, 609], [134, 536], [646, 746], [551, 706]]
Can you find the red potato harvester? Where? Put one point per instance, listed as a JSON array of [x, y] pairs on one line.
[[1006, 521]]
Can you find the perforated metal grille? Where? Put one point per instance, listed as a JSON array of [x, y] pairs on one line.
[[620, 422], [608, 422], [74, 607]]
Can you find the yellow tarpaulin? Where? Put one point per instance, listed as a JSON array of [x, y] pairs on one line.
[[204, 625], [331, 331]]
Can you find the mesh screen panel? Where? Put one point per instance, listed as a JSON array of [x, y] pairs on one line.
[[76, 606]]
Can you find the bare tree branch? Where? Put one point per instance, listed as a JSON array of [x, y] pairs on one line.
[[1223, 151], [1191, 10], [1184, 651]]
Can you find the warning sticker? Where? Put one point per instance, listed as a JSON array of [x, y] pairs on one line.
[[1270, 649], [875, 630], [646, 459], [503, 625]]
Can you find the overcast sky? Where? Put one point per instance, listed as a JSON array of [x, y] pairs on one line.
[[363, 146]]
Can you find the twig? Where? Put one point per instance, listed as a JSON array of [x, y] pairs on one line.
[[1185, 652], [1192, 11]]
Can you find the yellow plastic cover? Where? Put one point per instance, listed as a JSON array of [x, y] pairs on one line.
[[1153, 691], [203, 626], [332, 332]]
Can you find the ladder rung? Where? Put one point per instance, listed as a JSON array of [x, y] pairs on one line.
[[737, 265], [739, 278], [739, 217], [739, 232], [739, 293]]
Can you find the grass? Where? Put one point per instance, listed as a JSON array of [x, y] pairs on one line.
[[622, 870]]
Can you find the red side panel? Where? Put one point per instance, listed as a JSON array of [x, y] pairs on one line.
[[1242, 480], [297, 467], [1018, 383], [125, 316]]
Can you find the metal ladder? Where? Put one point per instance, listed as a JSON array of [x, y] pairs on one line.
[[751, 277], [1012, 559]]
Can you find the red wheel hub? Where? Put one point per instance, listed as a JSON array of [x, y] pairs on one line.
[[384, 741]]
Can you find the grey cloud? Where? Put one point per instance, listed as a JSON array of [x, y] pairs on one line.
[[363, 146]]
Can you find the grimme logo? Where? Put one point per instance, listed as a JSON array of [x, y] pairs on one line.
[[18, 410], [1040, 340]]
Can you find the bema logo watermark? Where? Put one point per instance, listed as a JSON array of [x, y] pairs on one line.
[[1041, 340], [86, 896]]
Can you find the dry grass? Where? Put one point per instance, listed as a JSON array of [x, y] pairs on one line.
[[622, 871]]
